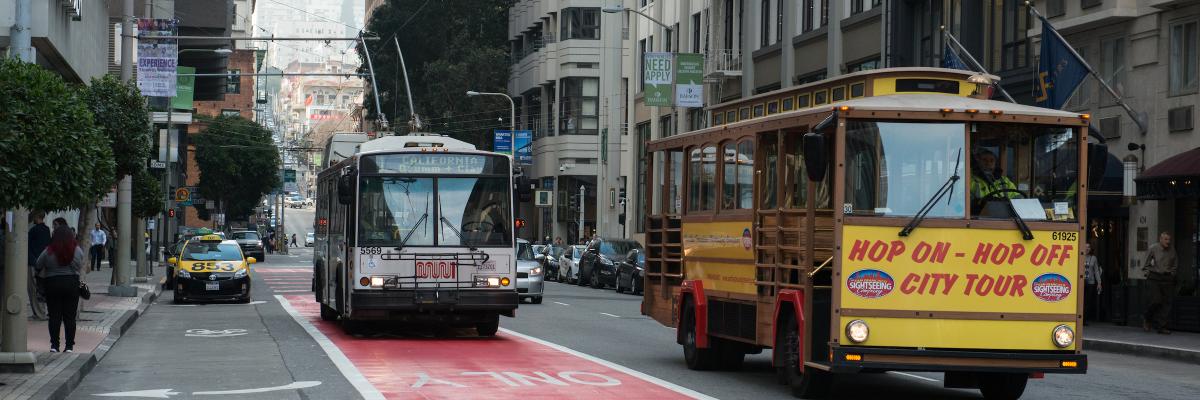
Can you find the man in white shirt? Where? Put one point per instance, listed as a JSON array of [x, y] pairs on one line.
[[99, 238]]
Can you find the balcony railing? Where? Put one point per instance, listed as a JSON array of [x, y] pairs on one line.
[[723, 62]]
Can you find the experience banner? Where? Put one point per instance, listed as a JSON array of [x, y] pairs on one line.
[[959, 270]]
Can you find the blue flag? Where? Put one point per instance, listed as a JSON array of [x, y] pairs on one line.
[[1059, 70], [950, 59]]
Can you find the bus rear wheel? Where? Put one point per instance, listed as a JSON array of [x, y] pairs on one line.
[[489, 326], [696, 358], [805, 384], [1000, 386], [328, 313]]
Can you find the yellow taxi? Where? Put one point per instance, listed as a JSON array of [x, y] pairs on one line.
[[211, 268]]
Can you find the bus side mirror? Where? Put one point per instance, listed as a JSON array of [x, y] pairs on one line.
[[1097, 163], [345, 189], [815, 156]]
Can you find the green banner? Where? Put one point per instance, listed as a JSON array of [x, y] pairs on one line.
[[657, 81], [689, 80], [185, 89]]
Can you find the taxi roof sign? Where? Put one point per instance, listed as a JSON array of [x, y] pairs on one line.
[[211, 238]]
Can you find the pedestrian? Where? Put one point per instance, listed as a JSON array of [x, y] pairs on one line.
[[267, 243], [293, 244], [558, 242], [39, 238], [99, 239], [1160, 268], [1093, 284], [59, 266]]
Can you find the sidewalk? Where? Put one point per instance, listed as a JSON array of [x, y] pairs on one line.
[[102, 321], [1179, 346]]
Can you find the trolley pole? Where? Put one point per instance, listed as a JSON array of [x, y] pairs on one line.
[[582, 207]]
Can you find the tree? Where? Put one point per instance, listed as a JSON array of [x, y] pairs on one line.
[[147, 195], [449, 48], [121, 113], [54, 156], [238, 163]]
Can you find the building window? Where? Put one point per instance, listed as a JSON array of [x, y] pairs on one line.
[[824, 12], [865, 65], [1112, 66], [666, 126], [856, 6], [1183, 58], [580, 106], [764, 25], [668, 44], [643, 47], [696, 33], [808, 16], [696, 118], [580, 23], [729, 24], [1014, 48], [779, 22], [643, 135], [1083, 94], [233, 84]]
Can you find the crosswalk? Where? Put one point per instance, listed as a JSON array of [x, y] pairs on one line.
[[287, 280]]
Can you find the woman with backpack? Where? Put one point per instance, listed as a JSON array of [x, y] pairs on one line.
[[59, 267]]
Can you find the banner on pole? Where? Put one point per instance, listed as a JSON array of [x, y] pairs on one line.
[[157, 59], [689, 80], [503, 142], [657, 79], [185, 89], [523, 147]]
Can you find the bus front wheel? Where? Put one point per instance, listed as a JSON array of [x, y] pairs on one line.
[[489, 326], [1001, 386], [805, 384]]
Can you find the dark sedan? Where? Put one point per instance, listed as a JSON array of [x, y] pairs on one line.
[[629, 272], [598, 265], [251, 244]]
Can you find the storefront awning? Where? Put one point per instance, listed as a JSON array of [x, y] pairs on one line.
[[1175, 177]]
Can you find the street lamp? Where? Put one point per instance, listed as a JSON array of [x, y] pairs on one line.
[[218, 51], [513, 118]]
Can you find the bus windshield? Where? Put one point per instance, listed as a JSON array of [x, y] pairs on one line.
[[472, 211], [894, 168]]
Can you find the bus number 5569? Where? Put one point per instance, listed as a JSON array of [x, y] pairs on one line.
[[437, 269]]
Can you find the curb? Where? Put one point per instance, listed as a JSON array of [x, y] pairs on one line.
[[1143, 350], [60, 387]]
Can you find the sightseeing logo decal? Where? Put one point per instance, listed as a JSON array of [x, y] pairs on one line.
[[870, 283], [1051, 287]]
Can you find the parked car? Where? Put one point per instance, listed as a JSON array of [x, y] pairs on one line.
[[630, 272], [309, 238], [598, 266], [251, 244], [550, 262], [568, 264], [530, 282]]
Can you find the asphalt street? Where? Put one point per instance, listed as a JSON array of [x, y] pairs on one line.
[[268, 350]]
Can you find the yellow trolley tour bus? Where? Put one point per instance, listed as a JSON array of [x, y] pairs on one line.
[[888, 220]]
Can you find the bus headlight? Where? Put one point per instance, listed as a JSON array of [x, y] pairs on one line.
[[857, 331], [1063, 336], [487, 281], [376, 281]]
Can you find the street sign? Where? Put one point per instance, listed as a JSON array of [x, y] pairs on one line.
[[689, 80], [289, 181], [183, 195], [543, 198], [155, 164], [657, 78]]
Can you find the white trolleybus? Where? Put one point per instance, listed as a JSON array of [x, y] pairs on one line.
[[416, 228]]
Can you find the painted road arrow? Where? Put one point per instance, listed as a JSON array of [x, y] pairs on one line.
[[167, 393]]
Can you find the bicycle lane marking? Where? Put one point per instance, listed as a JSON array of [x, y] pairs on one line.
[[510, 365]]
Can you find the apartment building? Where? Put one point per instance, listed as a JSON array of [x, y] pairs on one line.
[[558, 55]]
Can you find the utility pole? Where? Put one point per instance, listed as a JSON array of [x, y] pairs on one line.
[[582, 207], [14, 347], [121, 287]]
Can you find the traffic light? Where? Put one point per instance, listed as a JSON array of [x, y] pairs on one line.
[[171, 213], [572, 202], [520, 223]]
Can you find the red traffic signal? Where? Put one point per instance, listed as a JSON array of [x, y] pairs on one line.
[[520, 223], [171, 213]]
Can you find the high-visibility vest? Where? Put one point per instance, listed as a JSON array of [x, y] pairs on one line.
[[981, 187]]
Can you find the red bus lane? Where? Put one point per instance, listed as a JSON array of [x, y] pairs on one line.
[[506, 366]]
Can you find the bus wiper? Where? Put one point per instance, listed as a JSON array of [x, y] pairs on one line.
[[457, 233], [947, 187], [1025, 232], [412, 230]]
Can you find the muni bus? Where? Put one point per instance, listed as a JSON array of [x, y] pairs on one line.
[[887, 220], [416, 228]]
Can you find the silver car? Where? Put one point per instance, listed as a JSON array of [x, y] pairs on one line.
[[530, 280], [568, 264]]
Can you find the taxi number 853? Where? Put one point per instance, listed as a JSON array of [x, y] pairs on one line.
[[200, 266]]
